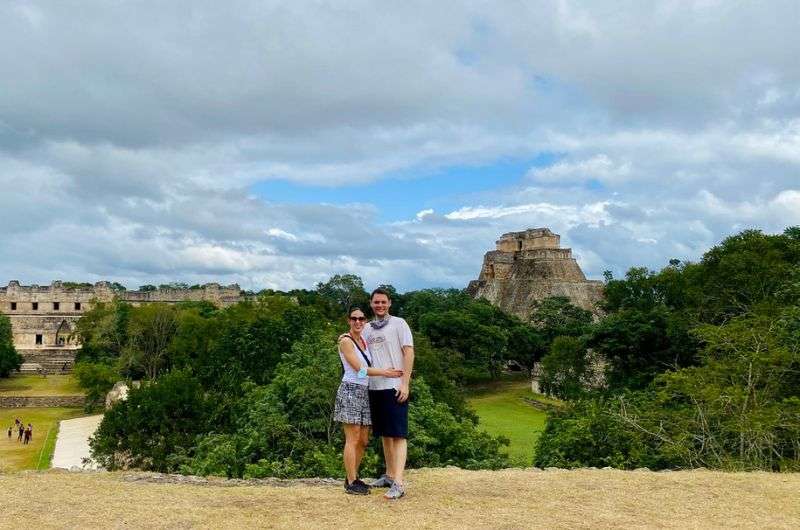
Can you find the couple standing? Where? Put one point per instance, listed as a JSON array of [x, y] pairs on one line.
[[378, 358]]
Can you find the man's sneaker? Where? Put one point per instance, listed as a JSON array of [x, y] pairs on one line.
[[354, 488], [383, 482], [395, 492]]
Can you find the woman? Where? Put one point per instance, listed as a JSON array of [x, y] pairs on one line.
[[352, 398]]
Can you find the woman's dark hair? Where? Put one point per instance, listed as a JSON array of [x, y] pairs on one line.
[[354, 308], [380, 290]]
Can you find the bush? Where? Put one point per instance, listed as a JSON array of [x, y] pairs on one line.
[[587, 434], [158, 423]]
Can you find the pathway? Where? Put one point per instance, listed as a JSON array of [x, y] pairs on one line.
[[72, 444]]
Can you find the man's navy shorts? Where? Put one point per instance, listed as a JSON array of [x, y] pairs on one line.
[[389, 418]]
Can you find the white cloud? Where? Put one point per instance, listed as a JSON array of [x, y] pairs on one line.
[[283, 234], [591, 214], [599, 168], [787, 204], [424, 213]]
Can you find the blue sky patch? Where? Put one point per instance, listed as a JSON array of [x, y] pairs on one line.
[[399, 196]]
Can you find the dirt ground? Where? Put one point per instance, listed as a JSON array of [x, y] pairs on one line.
[[436, 498]]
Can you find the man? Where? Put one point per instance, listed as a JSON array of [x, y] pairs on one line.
[[392, 346]]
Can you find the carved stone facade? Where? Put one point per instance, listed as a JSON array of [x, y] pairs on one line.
[[529, 266], [43, 318]]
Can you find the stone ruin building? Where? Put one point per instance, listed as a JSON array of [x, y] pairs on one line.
[[43, 318], [529, 266]]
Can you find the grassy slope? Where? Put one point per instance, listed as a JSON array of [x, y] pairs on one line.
[[502, 410], [450, 498], [37, 385], [14, 455]]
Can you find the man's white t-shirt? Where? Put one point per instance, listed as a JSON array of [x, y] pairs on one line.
[[386, 346]]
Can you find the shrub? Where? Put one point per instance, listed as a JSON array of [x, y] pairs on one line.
[[587, 433], [157, 422]]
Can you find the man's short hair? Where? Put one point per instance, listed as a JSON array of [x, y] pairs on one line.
[[380, 290]]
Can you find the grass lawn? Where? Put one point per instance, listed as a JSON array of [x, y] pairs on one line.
[[37, 385], [503, 411], [15, 456]]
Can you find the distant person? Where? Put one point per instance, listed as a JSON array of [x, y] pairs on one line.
[[28, 434], [10, 428], [21, 430], [392, 346], [352, 407]]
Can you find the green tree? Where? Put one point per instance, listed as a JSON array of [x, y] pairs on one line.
[[151, 329], [640, 344], [10, 359], [103, 331], [96, 379], [344, 291], [566, 368], [526, 345], [744, 271], [556, 316], [482, 344]]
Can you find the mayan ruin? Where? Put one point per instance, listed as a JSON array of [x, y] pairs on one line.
[[529, 266], [43, 317]]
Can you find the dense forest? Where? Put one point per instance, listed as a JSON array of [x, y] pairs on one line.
[[697, 364], [701, 366], [248, 391]]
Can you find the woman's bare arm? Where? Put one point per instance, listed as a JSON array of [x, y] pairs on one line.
[[356, 361], [348, 349]]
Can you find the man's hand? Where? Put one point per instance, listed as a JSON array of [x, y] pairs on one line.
[[402, 392]]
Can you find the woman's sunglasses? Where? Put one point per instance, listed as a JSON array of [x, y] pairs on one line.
[[358, 319]]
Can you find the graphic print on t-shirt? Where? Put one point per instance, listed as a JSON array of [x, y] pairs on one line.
[[377, 345]]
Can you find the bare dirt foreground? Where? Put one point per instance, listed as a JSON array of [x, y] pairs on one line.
[[446, 498]]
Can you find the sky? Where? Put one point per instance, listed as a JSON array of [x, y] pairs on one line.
[[275, 144]]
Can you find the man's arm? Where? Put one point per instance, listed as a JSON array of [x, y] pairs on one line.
[[408, 366]]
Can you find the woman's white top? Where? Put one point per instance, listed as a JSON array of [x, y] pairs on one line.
[[351, 375]]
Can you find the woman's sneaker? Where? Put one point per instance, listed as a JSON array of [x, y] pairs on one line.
[[361, 484], [395, 492], [356, 487], [383, 482]]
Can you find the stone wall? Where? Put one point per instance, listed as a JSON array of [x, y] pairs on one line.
[[14, 402]]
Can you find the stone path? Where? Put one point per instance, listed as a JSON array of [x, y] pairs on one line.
[[72, 444]]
